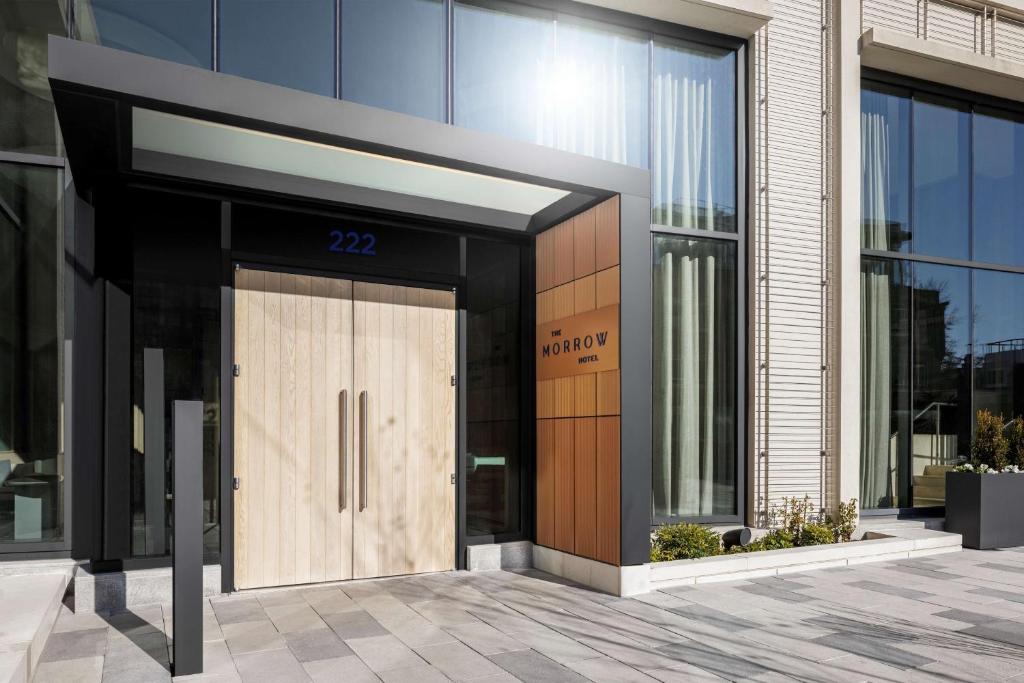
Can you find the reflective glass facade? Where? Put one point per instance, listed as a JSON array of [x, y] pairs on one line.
[[941, 337], [32, 334]]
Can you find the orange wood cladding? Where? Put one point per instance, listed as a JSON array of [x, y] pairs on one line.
[[577, 271]]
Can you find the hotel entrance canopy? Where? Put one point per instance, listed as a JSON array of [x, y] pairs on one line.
[[130, 117]]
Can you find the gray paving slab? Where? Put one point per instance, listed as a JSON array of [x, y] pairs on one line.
[[956, 617]]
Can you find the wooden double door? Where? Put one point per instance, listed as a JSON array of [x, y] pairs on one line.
[[344, 446]]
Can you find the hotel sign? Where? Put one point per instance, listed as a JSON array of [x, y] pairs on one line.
[[580, 344]]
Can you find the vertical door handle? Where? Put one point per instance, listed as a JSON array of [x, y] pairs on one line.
[[362, 450], [343, 451]]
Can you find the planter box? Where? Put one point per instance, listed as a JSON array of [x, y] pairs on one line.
[[986, 509]]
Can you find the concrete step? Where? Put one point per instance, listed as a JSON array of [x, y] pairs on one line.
[[29, 604]]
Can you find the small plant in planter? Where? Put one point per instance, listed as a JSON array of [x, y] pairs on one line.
[[987, 510], [845, 521], [684, 542]]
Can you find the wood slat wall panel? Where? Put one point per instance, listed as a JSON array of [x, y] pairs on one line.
[[564, 485], [546, 483], [577, 504], [607, 487]]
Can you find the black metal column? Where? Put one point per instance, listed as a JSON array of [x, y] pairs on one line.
[[187, 539]]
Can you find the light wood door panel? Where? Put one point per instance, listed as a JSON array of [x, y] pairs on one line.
[[405, 443], [293, 341]]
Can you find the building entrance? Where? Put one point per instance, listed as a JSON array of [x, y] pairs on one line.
[[344, 438]]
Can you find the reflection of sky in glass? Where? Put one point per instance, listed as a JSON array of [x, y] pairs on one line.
[[279, 41], [998, 190], [942, 297], [176, 30], [392, 55], [941, 183], [999, 308]]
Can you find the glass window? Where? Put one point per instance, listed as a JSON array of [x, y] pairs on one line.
[[175, 30], [498, 61], [998, 189], [285, 42], [885, 169], [942, 377], [694, 137], [27, 120], [941, 178], [562, 84], [393, 55], [999, 343], [31, 313], [175, 357], [493, 358], [695, 337], [885, 382]]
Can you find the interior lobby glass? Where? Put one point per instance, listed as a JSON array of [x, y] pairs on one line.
[[998, 188], [285, 42], [694, 129], [175, 30], [885, 383], [392, 55], [27, 119], [175, 356], [999, 343], [941, 178], [31, 311], [493, 360], [942, 377], [694, 377], [885, 169]]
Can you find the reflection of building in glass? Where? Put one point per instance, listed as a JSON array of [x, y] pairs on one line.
[[998, 378]]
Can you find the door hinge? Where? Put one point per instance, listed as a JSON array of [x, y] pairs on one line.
[[453, 477], [236, 369], [235, 483], [454, 381]]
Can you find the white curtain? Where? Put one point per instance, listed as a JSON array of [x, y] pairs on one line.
[[694, 456], [682, 163], [876, 346]]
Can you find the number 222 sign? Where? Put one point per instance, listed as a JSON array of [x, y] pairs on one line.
[[352, 242]]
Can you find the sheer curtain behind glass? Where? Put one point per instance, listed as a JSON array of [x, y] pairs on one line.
[[883, 121], [694, 377], [694, 143]]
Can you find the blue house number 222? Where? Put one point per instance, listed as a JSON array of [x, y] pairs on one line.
[[363, 244]]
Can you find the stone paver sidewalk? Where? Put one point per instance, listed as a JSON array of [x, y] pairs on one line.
[[957, 617]]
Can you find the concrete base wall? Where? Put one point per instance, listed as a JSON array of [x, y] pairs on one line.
[[116, 591]]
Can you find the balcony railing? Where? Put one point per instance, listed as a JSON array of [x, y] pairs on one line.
[[985, 28]]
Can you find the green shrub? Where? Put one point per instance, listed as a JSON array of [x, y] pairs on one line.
[[794, 514], [684, 542], [990, 445], [1015, 442], [776, 539], [845, 522], [814, 533]]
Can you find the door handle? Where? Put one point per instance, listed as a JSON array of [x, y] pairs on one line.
[[362, 450], [343, 451]]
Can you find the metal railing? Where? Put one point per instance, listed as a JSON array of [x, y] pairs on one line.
[[986, 28]]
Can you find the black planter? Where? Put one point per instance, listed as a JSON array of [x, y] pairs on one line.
[[987, 509]]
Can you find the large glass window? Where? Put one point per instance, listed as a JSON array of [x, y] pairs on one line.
[[564, 84], [695, 391], [694, 137], [939, 342], [392, 55], [27, 120], [175, 30], [31, 310], [493, 362], [286, 42]]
